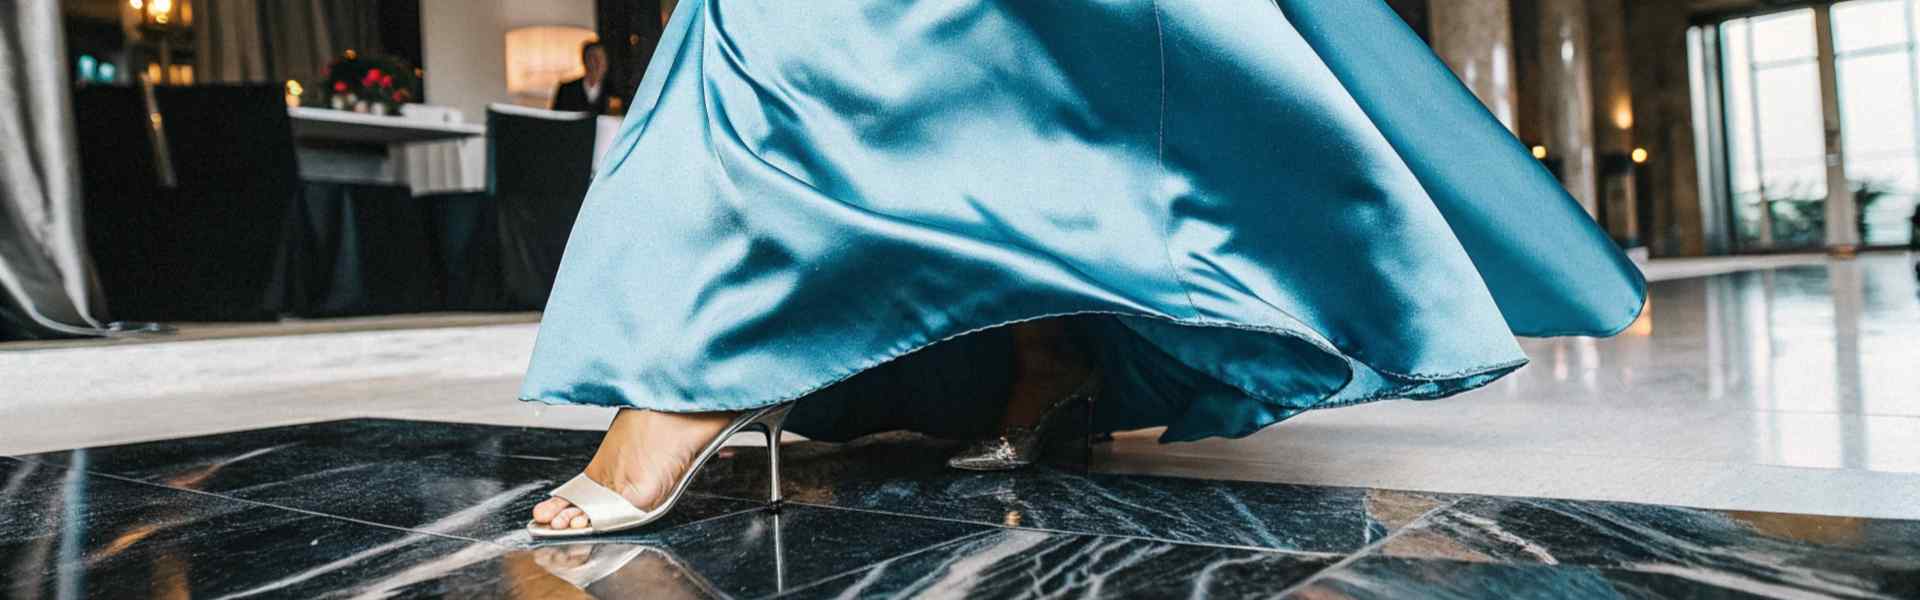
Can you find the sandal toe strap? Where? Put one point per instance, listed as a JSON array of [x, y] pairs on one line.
[[605, 507]]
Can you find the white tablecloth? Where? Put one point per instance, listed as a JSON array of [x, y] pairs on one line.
[[605, 129], [436, 167], [441, 167]]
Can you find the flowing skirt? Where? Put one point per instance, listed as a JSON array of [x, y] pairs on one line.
[[1257, 208]]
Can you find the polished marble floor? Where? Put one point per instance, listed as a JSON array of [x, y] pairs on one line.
[[388, 508], [1780, 383], [387, 459]]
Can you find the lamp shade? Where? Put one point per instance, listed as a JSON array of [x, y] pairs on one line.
[[539, 58]]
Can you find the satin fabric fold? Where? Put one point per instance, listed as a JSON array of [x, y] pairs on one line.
[[1254, 208]]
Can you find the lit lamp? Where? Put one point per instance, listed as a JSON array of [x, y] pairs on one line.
[[161, 21], [163, 14], [540, 58]]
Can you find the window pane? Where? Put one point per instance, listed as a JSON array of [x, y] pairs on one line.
[[1792, 136], [1775, 134], [1877, 105], [1868, 24], [1784, 36]]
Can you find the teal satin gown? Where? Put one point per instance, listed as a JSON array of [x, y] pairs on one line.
[[1256, 208]]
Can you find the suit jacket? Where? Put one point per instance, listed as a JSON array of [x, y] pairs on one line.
[[572, 96]]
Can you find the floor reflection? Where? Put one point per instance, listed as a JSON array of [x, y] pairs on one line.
[[625, 571], [1834, 338], [1807, 366]]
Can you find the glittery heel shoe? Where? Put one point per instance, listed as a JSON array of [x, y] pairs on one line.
[[1019, 445]]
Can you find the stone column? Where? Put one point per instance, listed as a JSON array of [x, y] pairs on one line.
[[1682, 219], [1475, 37], [1613, 118], [1563, 91]]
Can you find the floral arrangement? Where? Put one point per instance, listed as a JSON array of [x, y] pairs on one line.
[[369, 83]]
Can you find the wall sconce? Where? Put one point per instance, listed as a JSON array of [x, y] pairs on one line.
[[540, 58], [1639, 156], [1623, 114]]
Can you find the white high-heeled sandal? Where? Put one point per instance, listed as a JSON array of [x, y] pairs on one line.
[[609, 512]]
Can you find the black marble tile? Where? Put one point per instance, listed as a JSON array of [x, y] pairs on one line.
[[907, 474], [753, 554], [1767, 554], [379, 471], [67, 534], [1393, 578], [1017, 563]]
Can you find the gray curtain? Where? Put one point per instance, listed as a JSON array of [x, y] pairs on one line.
[[47, 288], [277, 40]]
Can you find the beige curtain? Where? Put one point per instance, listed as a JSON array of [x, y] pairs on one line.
[[277, 40], [230, 44], [47, 288]]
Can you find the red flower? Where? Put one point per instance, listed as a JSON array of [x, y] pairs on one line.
[[386, 81], [374, 73], [340, 87]]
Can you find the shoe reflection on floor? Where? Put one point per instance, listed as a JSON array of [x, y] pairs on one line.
[[624, 570]]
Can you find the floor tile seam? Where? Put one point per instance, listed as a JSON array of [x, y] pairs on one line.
[[364, 522], [139, 342], [874, 565], [1002, 526], [1543, 452], [1699, 461], [302, 422], [1837, 413], [1590, 500], [91, 471], [1369, 549], [291, 509]]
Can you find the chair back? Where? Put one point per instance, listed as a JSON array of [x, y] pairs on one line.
[[539, 164], [190, 232]]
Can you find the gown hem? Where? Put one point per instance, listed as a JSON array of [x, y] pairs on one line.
[[1452, 383]]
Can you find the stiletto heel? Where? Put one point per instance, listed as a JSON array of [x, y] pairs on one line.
[[608, 512], [771, 425]]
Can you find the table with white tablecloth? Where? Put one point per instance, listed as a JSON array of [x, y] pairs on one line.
[[395, 214], [429, 149]]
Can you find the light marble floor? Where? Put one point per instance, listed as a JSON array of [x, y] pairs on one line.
[[1775, 383]]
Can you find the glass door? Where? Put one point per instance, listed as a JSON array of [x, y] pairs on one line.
[[1874, 55], [1775, 132], [1811, 123]]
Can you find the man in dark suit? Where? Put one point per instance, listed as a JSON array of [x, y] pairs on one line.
[[589, 93]]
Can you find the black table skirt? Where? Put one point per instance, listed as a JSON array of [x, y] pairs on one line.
[[359, 249]]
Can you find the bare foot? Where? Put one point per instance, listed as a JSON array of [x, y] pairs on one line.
[[642, 457]]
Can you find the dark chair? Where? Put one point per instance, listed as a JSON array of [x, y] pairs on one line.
[[538, 166], [120, 189], [187, 229]]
